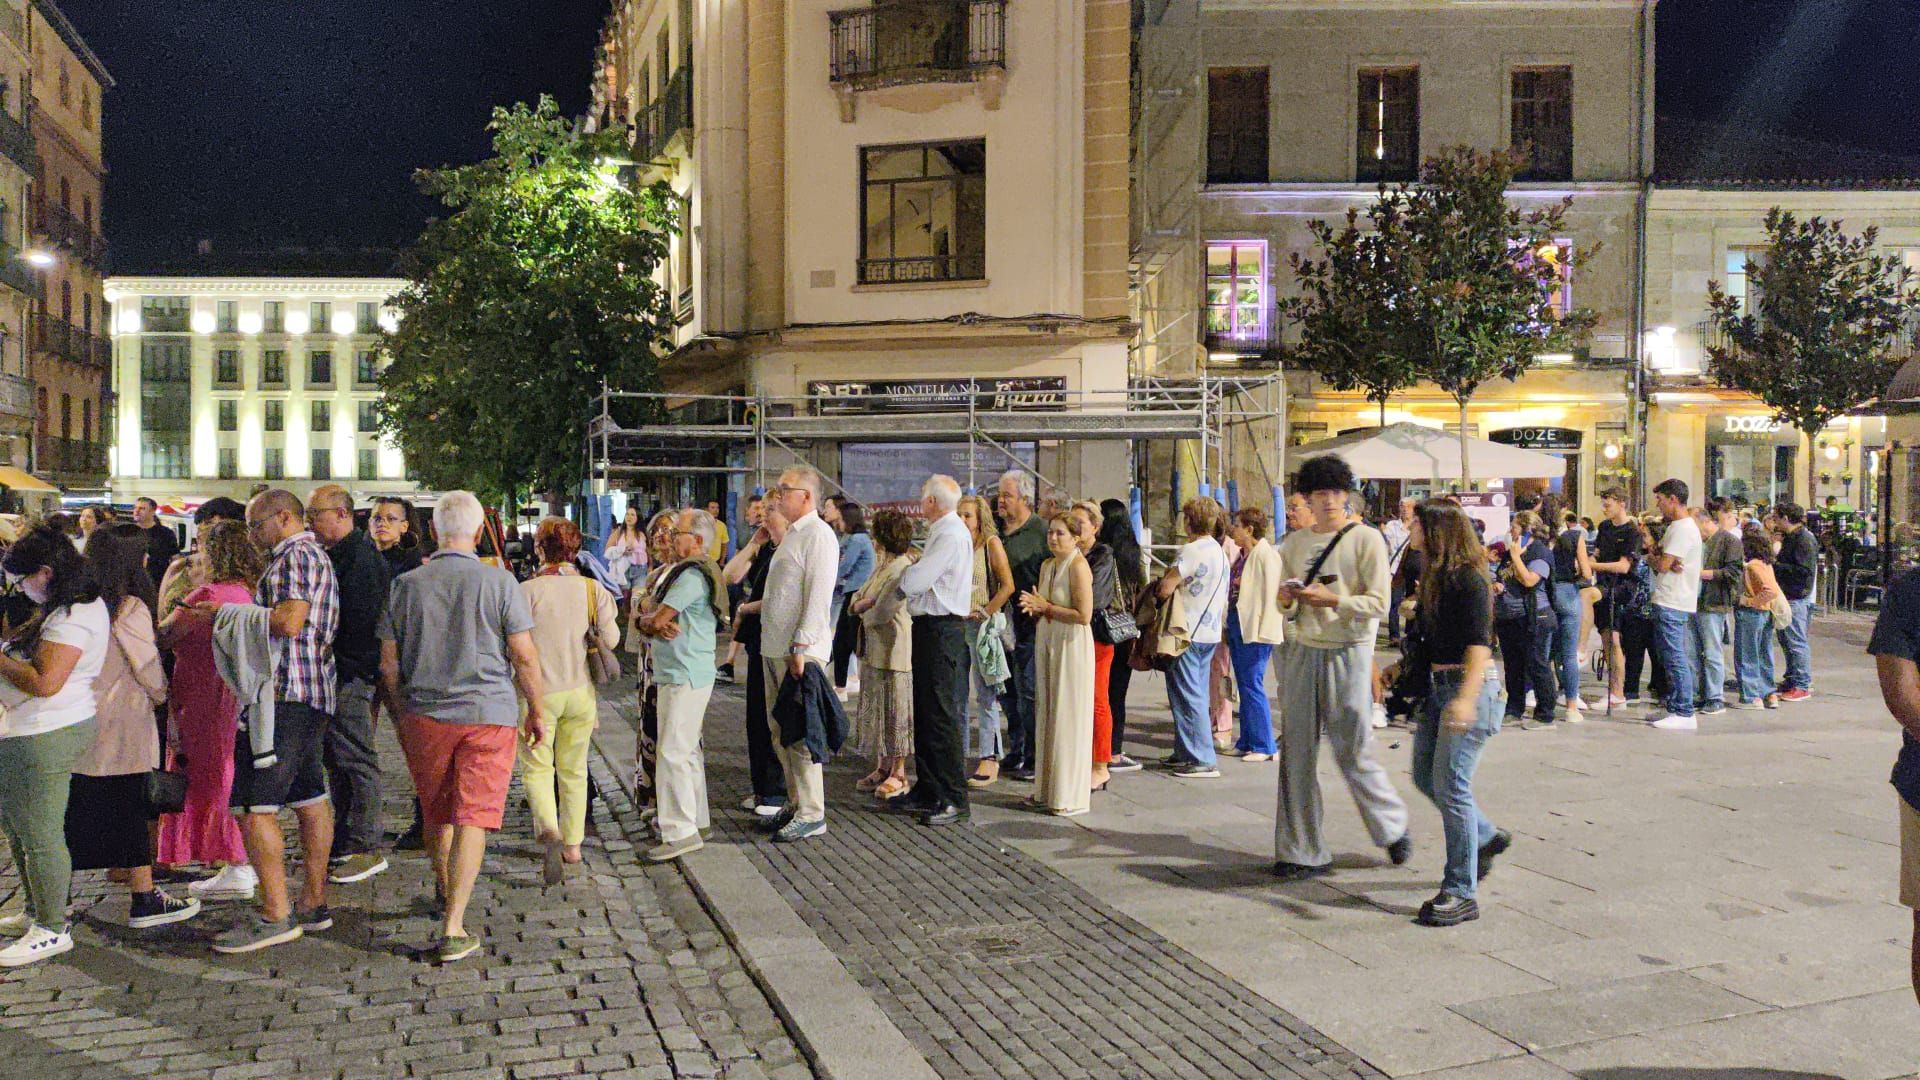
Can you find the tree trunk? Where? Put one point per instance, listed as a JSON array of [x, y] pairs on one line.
[[1383, 412], [1813, 468], [1466, 466]]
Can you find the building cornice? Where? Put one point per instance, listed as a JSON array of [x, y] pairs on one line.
[[1703, 198], [272, 287]]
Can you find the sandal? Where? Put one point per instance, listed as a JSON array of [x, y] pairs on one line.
[[870, 781], [890, 788], [981, 780]]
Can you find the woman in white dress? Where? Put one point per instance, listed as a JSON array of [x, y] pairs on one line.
[[1063, 672]]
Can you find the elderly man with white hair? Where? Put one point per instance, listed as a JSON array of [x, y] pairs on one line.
[[456, 642], [939, 594], [796, 629], [684, 626]]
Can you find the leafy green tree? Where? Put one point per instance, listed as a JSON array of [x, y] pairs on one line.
[[1820, 329], [1446, 282], [537, 288]]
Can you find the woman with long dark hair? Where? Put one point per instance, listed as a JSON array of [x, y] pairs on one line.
[[626, 548], [1463, 708], [857, 563], [47, 669], [107, 812], [1753, 623], [1130, 568]]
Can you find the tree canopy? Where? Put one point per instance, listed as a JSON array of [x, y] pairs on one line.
[[1821, 327], [539, 286]]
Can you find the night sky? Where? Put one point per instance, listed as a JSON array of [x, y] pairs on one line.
[[260, 123]]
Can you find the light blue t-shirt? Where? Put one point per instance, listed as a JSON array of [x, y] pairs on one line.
[[688, 659]]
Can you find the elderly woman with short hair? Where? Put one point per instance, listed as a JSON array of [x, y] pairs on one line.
[[569, 609]]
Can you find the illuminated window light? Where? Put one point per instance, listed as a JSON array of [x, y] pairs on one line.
[[343, 323], [250, 322], [203, 322], [298, 322]]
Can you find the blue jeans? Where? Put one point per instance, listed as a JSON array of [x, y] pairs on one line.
[[1443, 765], [1016, 698], [1250, 673], [1799, 649], [1672, 639], [1753, 653], [1187, 697], [1566, 637], [1709, 649], [983, 706]]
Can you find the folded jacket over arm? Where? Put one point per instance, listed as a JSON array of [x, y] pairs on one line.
[[243, 654]]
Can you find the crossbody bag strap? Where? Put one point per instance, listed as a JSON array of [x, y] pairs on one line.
[[1321, 559]]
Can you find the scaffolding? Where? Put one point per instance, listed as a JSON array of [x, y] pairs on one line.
[[756, 436], [1168, 161]]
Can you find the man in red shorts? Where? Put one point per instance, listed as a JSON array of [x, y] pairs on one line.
[[456, 643]]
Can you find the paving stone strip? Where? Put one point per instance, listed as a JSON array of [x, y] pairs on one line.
[[619, 973], [994, 965]]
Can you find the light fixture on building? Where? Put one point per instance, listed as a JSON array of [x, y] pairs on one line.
[[203, 322], [1662, 349], [343, 323], [250, 322], [130, 319], [1611, 451], [41, 259], [1833, 453], [389, 320], [298, 322]]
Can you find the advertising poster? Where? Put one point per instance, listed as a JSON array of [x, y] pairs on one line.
[[883, 476]]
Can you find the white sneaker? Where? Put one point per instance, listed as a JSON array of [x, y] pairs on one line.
[[233, 882], [749, 803], [39, 944], [1379, 715], [767, 810], [1671, 722], [1530, 700], [15, 924]]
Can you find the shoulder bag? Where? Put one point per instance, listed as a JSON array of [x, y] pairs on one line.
[[603, 664]]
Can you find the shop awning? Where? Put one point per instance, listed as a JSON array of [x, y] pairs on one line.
[[23, 481], [1414, 452]]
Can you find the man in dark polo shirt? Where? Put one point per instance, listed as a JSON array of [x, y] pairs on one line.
[[1025, 538], [353, 765], [1896, 652]]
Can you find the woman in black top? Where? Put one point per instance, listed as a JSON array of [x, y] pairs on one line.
[[1463, 709], [1130, 568], [748, 569], [1572, 576], [1525, 619]]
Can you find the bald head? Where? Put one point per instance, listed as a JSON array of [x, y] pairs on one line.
[[330, 513], [274, 515]]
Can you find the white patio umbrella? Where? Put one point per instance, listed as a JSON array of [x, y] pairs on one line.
[[1413, 452]]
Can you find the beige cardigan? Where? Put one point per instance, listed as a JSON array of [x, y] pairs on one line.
[[131, 682], [886, 628], [1261, 620], [561, 621]]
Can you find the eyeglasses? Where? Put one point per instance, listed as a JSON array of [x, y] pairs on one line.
[[386, 519]]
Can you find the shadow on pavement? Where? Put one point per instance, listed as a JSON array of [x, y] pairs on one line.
[[1703, 1074]]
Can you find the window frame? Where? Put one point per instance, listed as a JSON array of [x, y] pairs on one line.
[[227, 415], [320, 463], [222, 375], [273, 415], [317, 356], [273, 316], [276, 356], [320, 416], [863, 263], [226, 316], [1261, 139], [1365, 170], [1533, 172], [1236, 331]]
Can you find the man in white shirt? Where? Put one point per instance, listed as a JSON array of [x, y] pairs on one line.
[[938, 591], [1334, 584], [1676, 596], [796, 629], [1396, 532]]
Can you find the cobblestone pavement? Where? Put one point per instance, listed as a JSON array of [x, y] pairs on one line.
[[994, 965], [617, 973]]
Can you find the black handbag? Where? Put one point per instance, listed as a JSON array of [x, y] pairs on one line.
[[166, 792], [1114, 627]]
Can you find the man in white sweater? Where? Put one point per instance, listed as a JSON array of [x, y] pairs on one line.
[[1335, 599], [796, 629]]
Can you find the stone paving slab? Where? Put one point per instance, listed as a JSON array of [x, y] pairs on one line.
[[620, 972]]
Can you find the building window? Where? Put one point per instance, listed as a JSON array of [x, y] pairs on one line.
[[366, 368], [66, 85], [369, 419], [229, 463], [369, 467], [1237, 126], [366, 318], [1237, 288], [322, 460], [166, 361], [86, 212], [86, 312], [86, 105], [66, 416], [226, 367], [163, 456], [275, 415], [320, 369], [86, 420], [229, 415], [273, 317], [322, 416], [165, 314], [276, 463], [1543, 122], [1560, 254], [273, 367], [320, 317], [226, 317], [1389, 143], [924, 210], [42, 416]]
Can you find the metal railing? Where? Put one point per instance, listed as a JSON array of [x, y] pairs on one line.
[[17, 275], [71, 456], [63, 228], [923, 268], [52, 334], [16, 396], [665, 116], [16, 141], [897, 42], [1257, 345]]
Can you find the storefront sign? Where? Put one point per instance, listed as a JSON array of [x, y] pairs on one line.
[[1751, 425], [1537, 438], [938, 395]]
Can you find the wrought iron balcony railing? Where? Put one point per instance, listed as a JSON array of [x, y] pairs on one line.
[[1255, 342], [16, 141], [666, 116], [896, 42]]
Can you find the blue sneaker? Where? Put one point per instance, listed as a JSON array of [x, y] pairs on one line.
[[797, 830]]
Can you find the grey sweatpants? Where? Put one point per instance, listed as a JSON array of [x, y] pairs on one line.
[[1329, 690]]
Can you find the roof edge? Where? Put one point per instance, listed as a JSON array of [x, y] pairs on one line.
[[70, 35]]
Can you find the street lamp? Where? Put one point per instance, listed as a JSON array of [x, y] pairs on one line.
[[42, 259]]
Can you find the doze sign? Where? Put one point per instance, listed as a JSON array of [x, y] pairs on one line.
[[1752, 425]]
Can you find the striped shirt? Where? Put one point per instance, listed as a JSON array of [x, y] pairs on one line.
[[300, 570]]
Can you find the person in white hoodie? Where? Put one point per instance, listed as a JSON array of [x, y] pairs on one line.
[[1255, 624]]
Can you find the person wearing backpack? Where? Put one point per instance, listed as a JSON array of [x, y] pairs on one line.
[[1524, 619], [1334, 586]]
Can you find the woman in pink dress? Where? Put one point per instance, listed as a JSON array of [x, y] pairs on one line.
[[206, 717]]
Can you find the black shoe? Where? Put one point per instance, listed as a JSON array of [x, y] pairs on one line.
[[1447, 909], [1401, 850], [1502, 840], [724, 673], [1293, 871], [945, 815], [411, 840], [1022, 772], [775, 823], [912, 801]]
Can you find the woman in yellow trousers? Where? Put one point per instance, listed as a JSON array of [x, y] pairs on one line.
[[567, 608]]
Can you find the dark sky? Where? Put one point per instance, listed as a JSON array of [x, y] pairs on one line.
[[267, 122]]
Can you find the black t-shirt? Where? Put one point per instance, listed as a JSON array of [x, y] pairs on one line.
[[1026, 551], [162, 546], [1616, 542], [400, 560], [1461, 616], [746, 628], [1897, 633], [362, 575], [1566, 556]]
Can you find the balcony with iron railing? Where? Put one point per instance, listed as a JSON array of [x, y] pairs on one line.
[[52, 334], [16, 140], [1254, 339], [664, 117], [16, 399], [17, 275], [63, 229], [899, 42], [68, 458]]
